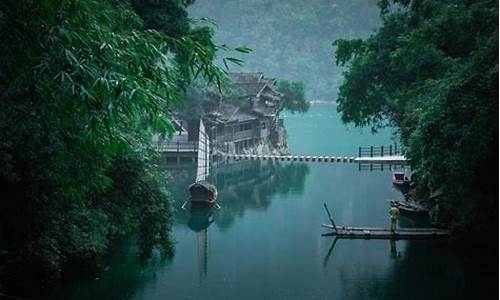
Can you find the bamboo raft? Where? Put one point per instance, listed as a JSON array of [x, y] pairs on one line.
[[383, 233]]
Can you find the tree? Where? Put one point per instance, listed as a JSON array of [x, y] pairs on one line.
[[293, 96], [439, 86], [83, 87]]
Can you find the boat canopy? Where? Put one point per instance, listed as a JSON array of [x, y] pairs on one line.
[[204, 185], [399, 175]]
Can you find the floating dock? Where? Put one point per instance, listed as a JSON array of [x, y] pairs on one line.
[[382, 233]]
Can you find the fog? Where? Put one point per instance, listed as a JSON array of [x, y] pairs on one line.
[[291, 39]]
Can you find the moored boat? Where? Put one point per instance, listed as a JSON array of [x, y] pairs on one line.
[[400, 179], [203, 193], [410, 209]]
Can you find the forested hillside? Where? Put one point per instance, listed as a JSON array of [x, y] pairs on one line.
[[290, 38]]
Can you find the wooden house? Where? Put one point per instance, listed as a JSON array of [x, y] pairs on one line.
[[249, 117]]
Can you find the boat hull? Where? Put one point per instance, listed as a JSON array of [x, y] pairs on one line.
[[400, 180]]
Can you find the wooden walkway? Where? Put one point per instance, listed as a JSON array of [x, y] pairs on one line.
[[395, 159], [382, 233]]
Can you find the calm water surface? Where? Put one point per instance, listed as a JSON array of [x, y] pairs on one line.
[[266, 243]]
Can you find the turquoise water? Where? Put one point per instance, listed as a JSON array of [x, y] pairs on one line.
[[320, 132], [265, 242]]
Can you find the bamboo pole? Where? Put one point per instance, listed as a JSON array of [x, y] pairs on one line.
[[330, 217]]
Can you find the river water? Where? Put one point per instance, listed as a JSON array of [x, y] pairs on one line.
[[265, 242]]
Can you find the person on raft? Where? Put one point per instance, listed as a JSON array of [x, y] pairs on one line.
[[394, 213]]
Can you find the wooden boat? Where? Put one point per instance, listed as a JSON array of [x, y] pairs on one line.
[[410, 209], [400, 179], [203, 193]]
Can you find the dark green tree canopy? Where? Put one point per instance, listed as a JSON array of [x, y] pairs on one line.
[[168, 16], [84, 86], [293, 96], [432, 71]]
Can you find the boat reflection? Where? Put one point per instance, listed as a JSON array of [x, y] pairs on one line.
[[242, 186], [199, 221]]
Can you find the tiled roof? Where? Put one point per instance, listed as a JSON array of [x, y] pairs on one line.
[[246, 77], [229, 113], [252, 88], [253, 83]]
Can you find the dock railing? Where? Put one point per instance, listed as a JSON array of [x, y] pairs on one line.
[[178, 147], [374, 151]]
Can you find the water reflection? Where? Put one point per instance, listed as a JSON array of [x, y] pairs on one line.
[[394, 254], [415, 269], [244, 185], [199, 221], [327, 256], [123, 276], [394, 251], [200, 218], [252, 185]]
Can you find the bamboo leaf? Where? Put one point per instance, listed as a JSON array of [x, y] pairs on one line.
[[243, 49]]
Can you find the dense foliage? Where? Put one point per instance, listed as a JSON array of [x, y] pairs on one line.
[[294, 99], [291, 38], [432, 70], [83, 86]]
